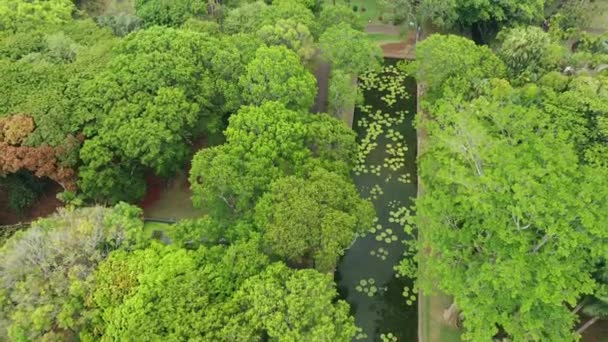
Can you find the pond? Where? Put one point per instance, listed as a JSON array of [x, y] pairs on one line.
[[386, 174]]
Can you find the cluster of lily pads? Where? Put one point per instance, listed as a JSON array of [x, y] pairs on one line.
[[390, 80], [384, 235], [404, 178], [367, 286], [381, 253], [375, 192], [388, 337], [360, 335], [410, 295], [394, 135], [394, 204], [396, 159]]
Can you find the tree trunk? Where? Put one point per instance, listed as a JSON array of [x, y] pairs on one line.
[[587, 324], [579, 306], [451, 315]]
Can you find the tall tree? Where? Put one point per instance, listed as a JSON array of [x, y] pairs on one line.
[[313, 218], [263, 144], [169, 293], [273, 302], [492, 226], [45, 270], [276, 74], [349, 50], [529, 52], [143, 110], [448, 61]]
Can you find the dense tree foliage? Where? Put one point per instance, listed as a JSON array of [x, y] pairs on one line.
[[450, 13], [275, 74], [349, 50], [529, 52], [45, 271], [26, 15], [263, 144], [291, 34], [491, 227], [142, 110], [98, 100], [312, 218], [169, 13], [451, 62], [273, 303]]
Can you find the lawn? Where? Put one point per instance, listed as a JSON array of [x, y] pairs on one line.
[[367, 9], [599, 20]]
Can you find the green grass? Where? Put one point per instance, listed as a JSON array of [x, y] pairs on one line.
[[370, 13], [150, 227], [174, 202], [599, 20]]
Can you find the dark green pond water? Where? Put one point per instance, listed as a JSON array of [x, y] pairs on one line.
[[385, 310]]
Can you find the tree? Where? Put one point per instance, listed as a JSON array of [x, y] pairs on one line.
[[169, 12], [453, 62], [45, 269], [331, 15], [169, 293], [349, 50], [276, 74], [263, 144], [143, 109], [398, 12], [342, 92], [528, 52], [273, 302], [313, 218], [27, 15], [491, 225], [253, 16], [448, 14], [292, 35]]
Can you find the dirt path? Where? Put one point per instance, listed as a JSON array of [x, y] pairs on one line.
[[46, 204], [378, 28], [321, 72]]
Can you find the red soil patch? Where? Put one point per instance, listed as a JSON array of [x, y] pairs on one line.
[[403, 49], [154, 189], [155, 185]]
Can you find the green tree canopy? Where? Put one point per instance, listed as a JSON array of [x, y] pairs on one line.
[[450, 13], [331, 15], [251, 17], [529, 52], [276, 74], [143, 109], [312, 219], [263, 144], [169, 12], [291, 34], [273, 302], [493, 228], [447, 61], [350, 50], [17, 15], [45, 270], [169, 293]]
